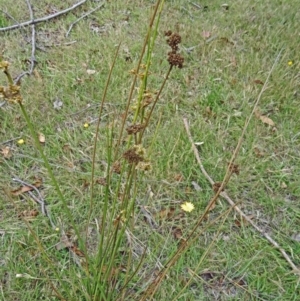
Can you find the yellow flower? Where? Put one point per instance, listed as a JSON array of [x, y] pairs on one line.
[[21, 141], [187, 206], [290, 63], [86, 125]]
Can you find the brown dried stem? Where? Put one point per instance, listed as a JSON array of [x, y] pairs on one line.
[[33, 46], [239, 144], [236, 208], [43, 19]]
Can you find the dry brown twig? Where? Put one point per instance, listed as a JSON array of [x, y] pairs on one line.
[[227, 176], [43, 19], [82, 17], [33, 46]]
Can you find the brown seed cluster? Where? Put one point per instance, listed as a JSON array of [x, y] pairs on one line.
[[132, 157], [217, 186], [11, 92], [116, 167], [234, 168], [134, 128], [173, 41], [137, 155], [102, 181], [174, 58]]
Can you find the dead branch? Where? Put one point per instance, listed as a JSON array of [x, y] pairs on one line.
[[33, 46], [236, 208], [43, 19], [82, 17]]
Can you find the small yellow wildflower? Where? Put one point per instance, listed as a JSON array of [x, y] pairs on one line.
[[290, 63], [187, 206], [21, 141], [86, 125], [56, 229]]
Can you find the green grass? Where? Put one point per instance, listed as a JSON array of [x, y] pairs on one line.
[[215, 90]]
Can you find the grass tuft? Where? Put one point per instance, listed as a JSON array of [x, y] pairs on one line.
[[97, 130]]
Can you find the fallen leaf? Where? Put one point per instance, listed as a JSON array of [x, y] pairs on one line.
[[148, 217], [29, 215], [90, 71], [67, 243], [64, 243], [259, 82], [267, 120], [75, 250], [21, 190], [26, 188], [206, 34], [42, 138], [177, 232], [57, 104], [6, 151], [166, 213]]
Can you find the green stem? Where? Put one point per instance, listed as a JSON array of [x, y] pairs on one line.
[[52, 177]]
